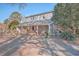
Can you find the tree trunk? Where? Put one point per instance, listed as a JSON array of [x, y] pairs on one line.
[[73, 27]]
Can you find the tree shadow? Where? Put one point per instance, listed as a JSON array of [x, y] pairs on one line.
[[7, 40], [11, 47], [67, 47]]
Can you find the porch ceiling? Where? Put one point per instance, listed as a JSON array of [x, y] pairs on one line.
[[39, 22]]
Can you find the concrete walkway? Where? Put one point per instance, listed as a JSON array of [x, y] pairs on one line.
[[55, 45]]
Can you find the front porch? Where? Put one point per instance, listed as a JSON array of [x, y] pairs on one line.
[[35, 29]]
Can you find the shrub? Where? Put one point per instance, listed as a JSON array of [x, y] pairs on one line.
[[67, 36], [46, 34]]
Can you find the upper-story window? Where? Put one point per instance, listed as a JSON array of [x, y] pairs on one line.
[[32, 18], [43, 17]]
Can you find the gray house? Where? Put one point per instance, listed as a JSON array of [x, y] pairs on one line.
[[38, 23]]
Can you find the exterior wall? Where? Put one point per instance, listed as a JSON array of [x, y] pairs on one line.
[[23, 30], [45, 16], [42, 29], [29, 29]]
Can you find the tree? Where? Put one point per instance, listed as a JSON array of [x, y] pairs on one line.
[[5, 21], [15, 16], [66, 15], [61, 14], [13, 24], [13, 20], [19, 5]]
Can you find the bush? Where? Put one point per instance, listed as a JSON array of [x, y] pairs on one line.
[[46, 34], [67, 36]]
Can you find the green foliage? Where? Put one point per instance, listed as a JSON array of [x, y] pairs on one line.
[[46, 34], [67, 36], [67, 16], [13, 25], [13, 20], [62, 15], [15, 16], [20, 6], [5, 21]]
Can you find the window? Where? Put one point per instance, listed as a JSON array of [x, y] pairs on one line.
[[33, 28], [43, 17]]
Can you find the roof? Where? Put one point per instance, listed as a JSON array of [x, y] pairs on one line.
[[39, 14]]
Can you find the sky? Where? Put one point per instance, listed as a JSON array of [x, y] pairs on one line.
[[30, 9]]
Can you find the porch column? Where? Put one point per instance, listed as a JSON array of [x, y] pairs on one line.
[[37, 30], [49, 30], [21, 28]]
